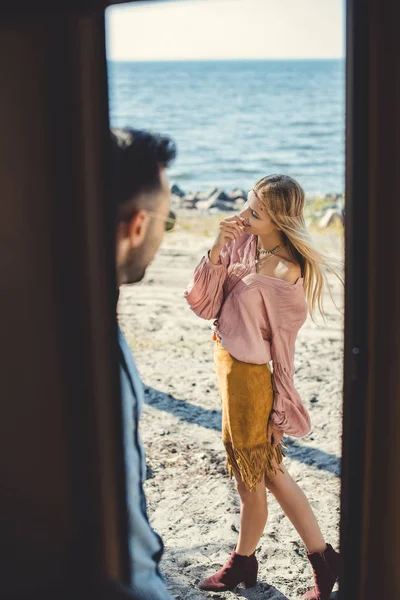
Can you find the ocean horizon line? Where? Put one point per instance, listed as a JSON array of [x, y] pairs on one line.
[[214, 60]]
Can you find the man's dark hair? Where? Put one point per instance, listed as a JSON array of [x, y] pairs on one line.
[[137, 157]]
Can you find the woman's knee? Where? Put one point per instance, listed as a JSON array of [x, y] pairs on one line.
[[243, 491], [247, 495], [274, 481]]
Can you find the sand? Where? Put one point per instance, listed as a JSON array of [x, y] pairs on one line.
[[192, 504]]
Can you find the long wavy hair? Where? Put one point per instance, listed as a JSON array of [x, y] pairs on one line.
[[283, 199]]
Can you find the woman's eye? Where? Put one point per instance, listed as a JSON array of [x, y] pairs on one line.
[[253, 214]]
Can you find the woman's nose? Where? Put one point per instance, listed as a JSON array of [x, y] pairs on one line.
[[244, 213]]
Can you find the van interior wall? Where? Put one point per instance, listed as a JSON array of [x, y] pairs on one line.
[[62, 502]]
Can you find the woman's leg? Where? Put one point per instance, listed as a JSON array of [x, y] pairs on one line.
[[253, 516], [297, 508]]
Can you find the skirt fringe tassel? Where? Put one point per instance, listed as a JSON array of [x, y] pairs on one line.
[[253, 464]]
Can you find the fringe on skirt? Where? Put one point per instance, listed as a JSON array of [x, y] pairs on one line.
[[253, 464]]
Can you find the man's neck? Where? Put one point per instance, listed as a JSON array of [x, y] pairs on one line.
[[119, 274]]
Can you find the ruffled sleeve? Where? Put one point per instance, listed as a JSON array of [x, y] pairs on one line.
[[288, 414], [205, 293]]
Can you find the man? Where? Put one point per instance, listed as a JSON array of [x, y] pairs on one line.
[[142, 191]]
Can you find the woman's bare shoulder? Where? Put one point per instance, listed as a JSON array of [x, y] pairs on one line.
[[286, 269]]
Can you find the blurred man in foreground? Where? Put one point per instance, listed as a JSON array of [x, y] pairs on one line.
[[142, 192]]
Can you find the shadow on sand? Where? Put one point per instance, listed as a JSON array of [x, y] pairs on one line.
[[211, 419]]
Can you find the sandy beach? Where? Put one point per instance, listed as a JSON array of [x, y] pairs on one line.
[[192, 504]]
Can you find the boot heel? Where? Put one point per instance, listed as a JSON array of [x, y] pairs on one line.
[[250, 582], [251, 579]]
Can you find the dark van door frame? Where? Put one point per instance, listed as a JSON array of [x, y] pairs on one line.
[[370, 510], [62, 501]]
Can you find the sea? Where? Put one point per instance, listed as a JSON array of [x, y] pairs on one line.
[[235, 121]]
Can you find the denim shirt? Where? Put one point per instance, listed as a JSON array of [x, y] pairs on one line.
[[145, 545]]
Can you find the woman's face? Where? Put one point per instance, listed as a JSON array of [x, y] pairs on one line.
[[255, 217]]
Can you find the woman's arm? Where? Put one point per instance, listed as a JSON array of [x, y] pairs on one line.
[[289, 414], [205, 292]]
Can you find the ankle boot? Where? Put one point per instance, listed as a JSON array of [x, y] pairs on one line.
[[238, 569], [325, 566]]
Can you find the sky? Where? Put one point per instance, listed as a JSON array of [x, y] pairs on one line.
[[225, 29]]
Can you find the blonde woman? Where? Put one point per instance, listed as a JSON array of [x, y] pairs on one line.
[[259, 281]]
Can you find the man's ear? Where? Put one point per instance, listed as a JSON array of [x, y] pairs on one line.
[[133, 232], [137, 228]]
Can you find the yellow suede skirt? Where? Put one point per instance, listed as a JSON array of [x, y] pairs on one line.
[[246, 396]]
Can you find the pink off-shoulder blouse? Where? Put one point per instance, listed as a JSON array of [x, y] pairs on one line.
[[257, 318]]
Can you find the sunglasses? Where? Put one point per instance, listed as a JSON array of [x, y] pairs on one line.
[[169, 221]]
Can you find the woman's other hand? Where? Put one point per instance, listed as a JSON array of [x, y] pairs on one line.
[[274, 435]]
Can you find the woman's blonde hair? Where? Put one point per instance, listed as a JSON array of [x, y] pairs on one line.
[[283, 198]]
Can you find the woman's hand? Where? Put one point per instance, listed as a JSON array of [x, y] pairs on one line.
[[229, 229], [274, 435]]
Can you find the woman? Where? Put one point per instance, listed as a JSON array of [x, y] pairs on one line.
[[259, 280]]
